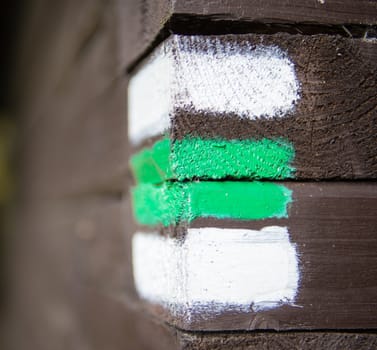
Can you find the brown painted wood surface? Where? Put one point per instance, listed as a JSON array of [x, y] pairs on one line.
[[73, 101], [334, 227], [326, 12], [69, 265], [294, 340], [152, 20]]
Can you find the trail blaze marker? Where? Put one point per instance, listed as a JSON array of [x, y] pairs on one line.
[[213, 268], [244, 79], [222, 268], [214, 159]]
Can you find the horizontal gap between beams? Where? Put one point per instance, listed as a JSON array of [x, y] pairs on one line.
[[356, 331]]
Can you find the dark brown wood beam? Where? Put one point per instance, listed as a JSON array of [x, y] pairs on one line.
[[274, 11], [152, 21]]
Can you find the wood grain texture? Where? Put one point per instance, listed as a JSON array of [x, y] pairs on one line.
[[334, 228], [152, 21], [302, 341], [335, 115], [328, 12]]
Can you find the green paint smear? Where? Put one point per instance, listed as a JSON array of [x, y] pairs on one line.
[[213, 159], [174, 202]]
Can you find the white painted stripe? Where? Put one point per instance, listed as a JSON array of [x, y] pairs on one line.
[[149, 98], [205, 75], [228, 268]]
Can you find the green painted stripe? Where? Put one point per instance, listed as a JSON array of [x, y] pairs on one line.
[[212, 159], [152, 165], [174, 202]]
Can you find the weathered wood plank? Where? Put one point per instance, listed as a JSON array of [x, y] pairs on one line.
[[290, 340], [332, 228], [325, 12], [153, 20], [324, 103]]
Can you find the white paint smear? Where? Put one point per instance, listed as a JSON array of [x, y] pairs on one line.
[[203, 74], [225, 268]]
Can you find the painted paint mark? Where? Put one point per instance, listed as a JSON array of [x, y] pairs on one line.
[[171, 203], [213, 159], [206, 74], [217, 269], [149, 98], [153, 165]]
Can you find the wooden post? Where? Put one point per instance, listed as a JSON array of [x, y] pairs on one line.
[[244, 119], [237, 110]]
